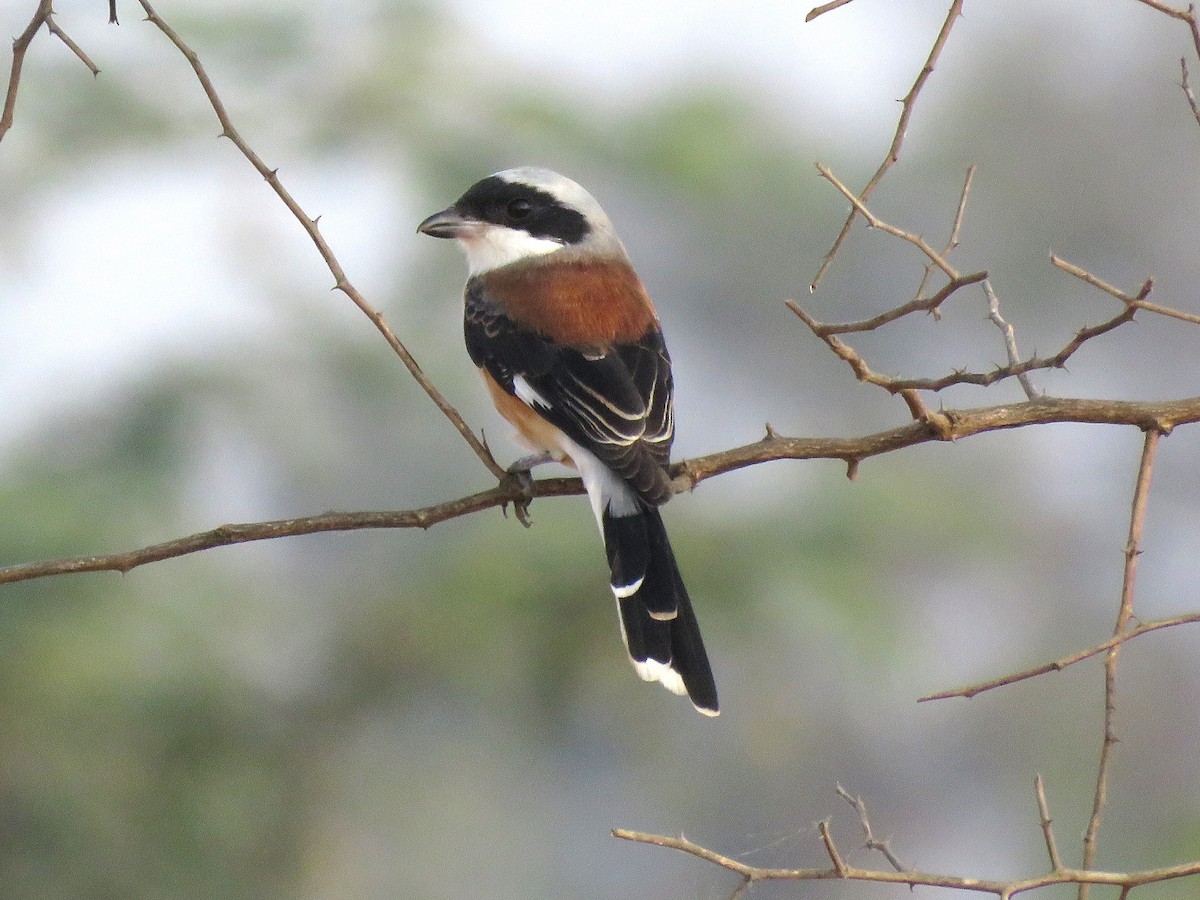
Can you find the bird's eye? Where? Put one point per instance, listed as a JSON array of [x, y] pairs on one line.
[[519, 209]]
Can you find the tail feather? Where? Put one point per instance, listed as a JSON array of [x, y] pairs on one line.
[[658, 624]]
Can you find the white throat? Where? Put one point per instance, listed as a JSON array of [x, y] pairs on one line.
[[494, 246]]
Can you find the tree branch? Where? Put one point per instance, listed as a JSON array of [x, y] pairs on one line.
[[846, 872], [1137, 522], [1039, 788], [893, 153], [21, 44], [1187, 16], [310, 225], [1059, 664], [951, 424]]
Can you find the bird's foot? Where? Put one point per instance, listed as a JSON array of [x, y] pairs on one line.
[[518, 476]]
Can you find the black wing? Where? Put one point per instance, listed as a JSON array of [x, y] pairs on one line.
[[615, 402]]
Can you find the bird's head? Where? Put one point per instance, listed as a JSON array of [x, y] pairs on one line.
[[524, 214]]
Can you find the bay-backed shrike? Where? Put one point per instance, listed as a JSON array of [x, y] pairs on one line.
[[570, 349]]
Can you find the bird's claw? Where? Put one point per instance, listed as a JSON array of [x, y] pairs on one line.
[[518, 476]]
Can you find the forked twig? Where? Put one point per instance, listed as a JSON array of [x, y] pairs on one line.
[[1137, 301], [872, 842], [20, 47], [955, 230], [1010, 341], [847, 872], [893, 154]]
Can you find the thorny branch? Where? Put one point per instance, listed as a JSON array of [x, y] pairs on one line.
[[310, 225], [893, 154], [1010, 341], [872, 842], [43, 15], [840, 870], [1059, 664], [957, 424], [955, 231], [1137, 522], [1187, 16]]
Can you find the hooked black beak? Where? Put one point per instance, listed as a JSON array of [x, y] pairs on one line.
[[449, 223]]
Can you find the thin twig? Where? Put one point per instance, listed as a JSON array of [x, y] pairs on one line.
[[1137, 522], [952, 243], [824, 8], [1039, 789], [310, 225], [872, 842], [71, 45], [893, 154], [1059, 664], [960, 423], [920, 304], [981, 379], [835, 857], [1010, 340], [20, 47], [875, 222], [1184, 15], [1003, 889], [1187, 90], [1136, 301]]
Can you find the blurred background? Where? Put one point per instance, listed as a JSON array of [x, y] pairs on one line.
[[450, 713]]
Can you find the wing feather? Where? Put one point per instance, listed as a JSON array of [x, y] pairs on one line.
[[616, 402]]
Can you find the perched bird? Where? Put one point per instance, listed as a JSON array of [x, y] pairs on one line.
[[571, 352]]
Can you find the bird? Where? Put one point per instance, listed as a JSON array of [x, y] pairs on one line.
[[572, 355]]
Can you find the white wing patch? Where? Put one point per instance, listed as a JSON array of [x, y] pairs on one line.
[[526, 392]]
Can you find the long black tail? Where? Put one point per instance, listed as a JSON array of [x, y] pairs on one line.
[[657, 621]]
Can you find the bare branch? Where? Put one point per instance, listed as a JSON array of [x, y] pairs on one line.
[[893, 153], [1187, 90], [981, 379], [341, 282], [1137, 522], [1184, 15], [71, 45], [1039, 789], [1010, 341], [1003, 889], [920, 304], [946, 425], [872, 842], [20, 48], [839, 864], [1137, 301], [952, 243], [824, 8], [872, 220], [1059, 664]]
